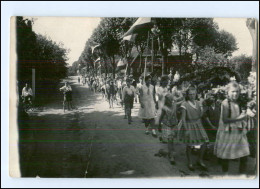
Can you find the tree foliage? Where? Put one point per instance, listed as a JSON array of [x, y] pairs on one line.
[[47, 57], [192, 36], [242, 64]]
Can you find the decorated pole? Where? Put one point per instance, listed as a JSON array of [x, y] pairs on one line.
[[146, 55], [126, 69]]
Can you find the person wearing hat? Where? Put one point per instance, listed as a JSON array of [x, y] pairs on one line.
[[128, 95], [147, 109]]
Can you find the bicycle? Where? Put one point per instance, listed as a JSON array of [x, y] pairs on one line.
[[27, 104]]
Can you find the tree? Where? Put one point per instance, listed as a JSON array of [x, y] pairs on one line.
[[191, 35], [225, 43], [209, 59], [47, 57], [106, 34], [242, 64]]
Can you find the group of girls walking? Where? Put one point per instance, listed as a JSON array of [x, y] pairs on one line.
[[177, 118], [231, 137]]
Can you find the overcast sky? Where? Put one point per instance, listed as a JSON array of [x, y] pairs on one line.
[[75, 31]]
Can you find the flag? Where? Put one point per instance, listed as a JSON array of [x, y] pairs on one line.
[[98, 60], [94, 47], [121, 64], [130, 37], [141, 23]]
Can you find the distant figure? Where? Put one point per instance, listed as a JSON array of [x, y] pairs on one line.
[[170, 76], [128, 98], [176, 77], [78, 79], [111, 92], [94, 85], [83, 80], [27, 94], [139, 86], [67, 91]]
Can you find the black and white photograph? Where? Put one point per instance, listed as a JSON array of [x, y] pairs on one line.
[[129, 94], [136, 97]]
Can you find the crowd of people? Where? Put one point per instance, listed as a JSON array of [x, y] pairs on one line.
[[177, 114]]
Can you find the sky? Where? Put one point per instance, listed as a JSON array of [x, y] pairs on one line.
[[237, 26], [73, 32]]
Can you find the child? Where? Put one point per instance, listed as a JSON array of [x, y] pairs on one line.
[[252, 127], [231, 143], [168, 118], [193, 133]]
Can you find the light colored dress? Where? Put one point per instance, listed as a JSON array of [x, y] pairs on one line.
[[197, 135], [161, 92], [147, 98], [231, 142]]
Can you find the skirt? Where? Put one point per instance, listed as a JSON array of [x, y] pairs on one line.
[[196, 136], [169, 132], [148, 112], [231, 144]]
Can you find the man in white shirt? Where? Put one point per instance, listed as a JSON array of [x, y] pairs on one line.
[[27, 94], [67, 91]]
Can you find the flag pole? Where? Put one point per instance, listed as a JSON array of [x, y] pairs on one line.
[[146, 55], [126, 69]]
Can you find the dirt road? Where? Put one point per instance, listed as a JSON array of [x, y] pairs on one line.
[[95, 141]]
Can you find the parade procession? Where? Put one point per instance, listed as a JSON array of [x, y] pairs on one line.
[[147, 97]]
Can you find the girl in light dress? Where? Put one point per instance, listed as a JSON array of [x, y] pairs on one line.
[[231, 141], [147, 110], [192, 132]]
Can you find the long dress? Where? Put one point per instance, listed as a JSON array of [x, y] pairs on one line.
[[148, 112], [197, 134], [231, 142]]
